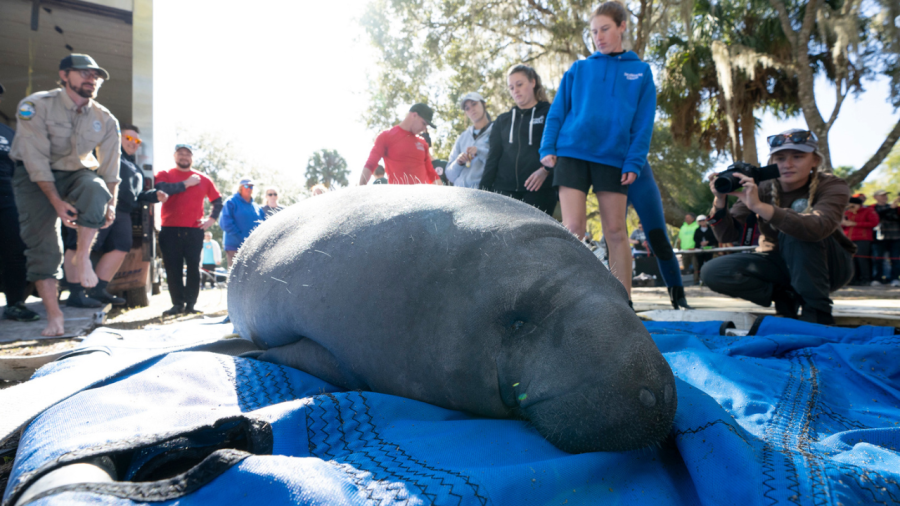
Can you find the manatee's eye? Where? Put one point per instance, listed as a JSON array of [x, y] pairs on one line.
[[517, 324], [647, 398]]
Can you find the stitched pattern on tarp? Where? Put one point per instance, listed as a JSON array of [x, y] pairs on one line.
[[340, 430], [258, 384]]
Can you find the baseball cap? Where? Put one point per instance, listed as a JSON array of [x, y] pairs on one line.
[[702, 217], [424, 112], [82, 62], [472, 95], [811, 145], [185, 146], [247, 180], [881, 192], [856, 200]]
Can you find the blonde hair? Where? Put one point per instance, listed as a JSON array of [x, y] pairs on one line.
[[813, 185]]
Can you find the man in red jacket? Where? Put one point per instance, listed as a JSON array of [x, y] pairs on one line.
[[858, 223]]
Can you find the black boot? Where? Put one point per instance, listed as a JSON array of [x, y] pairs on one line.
[[787, 302], [99, 292], [177, 309], [812, 315], [677, 298], [77, 298]]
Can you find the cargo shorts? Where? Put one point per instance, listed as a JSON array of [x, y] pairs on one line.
[[40, 226]]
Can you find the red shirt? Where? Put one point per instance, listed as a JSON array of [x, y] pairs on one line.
[[406, 159], [185, 209], [866, 219]]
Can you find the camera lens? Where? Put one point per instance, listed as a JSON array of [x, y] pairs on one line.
[[726, 184]]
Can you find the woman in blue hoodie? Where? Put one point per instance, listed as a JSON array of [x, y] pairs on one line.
[[598, 134], [240, 216]]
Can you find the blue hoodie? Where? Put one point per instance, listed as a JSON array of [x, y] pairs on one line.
[[603, 112], [239, 218]]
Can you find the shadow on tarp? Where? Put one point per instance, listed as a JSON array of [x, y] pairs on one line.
[[796, 414]]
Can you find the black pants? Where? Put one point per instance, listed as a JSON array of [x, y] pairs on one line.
[[891, 249], [700, 260], [861, 263], [180, 246], [12, 256], [544, 199], [812, 269]]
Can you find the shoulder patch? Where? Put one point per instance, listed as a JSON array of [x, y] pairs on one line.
[[799, 205], [26, 110]]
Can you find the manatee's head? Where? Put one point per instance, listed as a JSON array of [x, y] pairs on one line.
[[591, 379]]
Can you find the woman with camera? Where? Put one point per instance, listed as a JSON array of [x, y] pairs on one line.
[[803, 255], [598, 134]]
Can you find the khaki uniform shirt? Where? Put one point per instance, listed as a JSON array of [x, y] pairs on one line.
[[52, 135]]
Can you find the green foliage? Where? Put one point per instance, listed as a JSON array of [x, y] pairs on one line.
[[888, 177], [681, 170], [328, 167]]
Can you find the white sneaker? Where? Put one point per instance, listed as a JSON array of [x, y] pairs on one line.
[[895, 282], [875, 283]]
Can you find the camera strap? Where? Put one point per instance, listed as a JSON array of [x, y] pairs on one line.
[[750, 234]]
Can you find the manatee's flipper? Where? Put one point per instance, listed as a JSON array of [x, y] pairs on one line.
[[311, 357]]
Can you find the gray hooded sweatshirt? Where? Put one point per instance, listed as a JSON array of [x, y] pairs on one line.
[[469, 177]]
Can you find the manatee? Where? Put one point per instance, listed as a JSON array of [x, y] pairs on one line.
[[456, 297]]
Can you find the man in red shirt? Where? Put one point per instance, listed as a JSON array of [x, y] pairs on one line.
[[405, 154], [183, 224]]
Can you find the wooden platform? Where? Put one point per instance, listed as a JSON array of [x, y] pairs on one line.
[[79, 322], [852, 306]]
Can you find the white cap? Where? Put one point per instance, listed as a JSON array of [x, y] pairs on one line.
[[472, 95], [702, 217]]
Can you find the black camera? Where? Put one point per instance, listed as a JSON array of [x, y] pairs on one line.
[[727, 183]]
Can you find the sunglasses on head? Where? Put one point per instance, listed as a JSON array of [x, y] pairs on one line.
[[133, 139], [794, 138]]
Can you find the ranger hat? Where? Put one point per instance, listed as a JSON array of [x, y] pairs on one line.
[[473, 96], [184, 146], [881, 192], [424, 112], [82, 62]]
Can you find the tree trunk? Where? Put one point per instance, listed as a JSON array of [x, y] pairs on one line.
[[859, 175], [748, 133]]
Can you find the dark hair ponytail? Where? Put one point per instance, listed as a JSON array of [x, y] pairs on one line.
[[540, 94]]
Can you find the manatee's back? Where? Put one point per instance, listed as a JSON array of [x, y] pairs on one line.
[[384, 275]]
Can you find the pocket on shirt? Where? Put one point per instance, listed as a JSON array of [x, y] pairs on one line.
[[60, 138]]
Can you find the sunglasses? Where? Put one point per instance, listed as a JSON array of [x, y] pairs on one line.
[[271, 195], [794, 138], [248, 186], [133, 139]]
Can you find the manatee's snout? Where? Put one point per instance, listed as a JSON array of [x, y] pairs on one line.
[[632, 410]]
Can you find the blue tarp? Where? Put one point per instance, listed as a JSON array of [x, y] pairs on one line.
[[796, 414]]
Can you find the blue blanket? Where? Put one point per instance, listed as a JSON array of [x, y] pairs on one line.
[[796, 414]]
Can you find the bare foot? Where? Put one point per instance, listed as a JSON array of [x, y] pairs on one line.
[[54, 326], [86, 272]]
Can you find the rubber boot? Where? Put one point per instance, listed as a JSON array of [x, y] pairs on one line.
[[815, 316], [677, 298], [787, 302]]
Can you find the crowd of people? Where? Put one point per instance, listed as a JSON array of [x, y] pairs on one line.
[[68, 185], [70, 157]]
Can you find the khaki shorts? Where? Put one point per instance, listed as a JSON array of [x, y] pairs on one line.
[[40, 227]]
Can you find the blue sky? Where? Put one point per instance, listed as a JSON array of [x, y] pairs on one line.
[[284, 79]]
